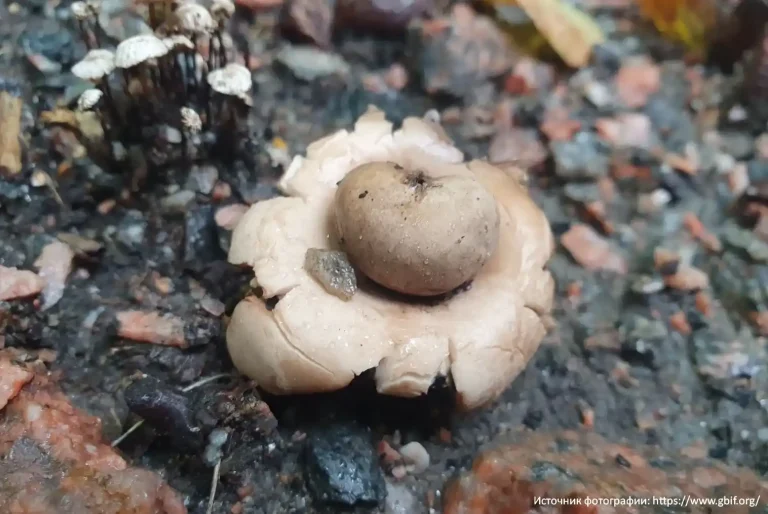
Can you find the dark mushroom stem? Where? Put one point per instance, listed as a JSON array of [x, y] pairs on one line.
[[84, 30], [153, 15], [109, 100]]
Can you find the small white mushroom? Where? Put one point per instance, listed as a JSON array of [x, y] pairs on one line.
[[89, 99], [194, 19], [86, 22], [80, 10], [94, 6], [178, 42], [97, 64], [222, 10], [191, 120], [233, 79], [139, 49]]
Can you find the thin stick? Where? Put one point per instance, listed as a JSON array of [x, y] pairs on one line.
[[214, 485], [190, 387], [127, 433]]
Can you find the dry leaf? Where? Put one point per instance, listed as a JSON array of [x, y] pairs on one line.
[[690, 22], [570, 31]]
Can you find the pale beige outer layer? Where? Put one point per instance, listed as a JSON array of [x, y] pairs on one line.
[[313, 341]]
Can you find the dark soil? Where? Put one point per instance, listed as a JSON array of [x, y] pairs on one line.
[[614, 360]]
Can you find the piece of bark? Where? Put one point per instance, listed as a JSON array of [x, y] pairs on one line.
[[10, 128]]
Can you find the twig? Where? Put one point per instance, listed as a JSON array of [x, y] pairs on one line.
[[214, 485], [199, 383], [127, 433]]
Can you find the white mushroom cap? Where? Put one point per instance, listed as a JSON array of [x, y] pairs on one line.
[[97, 64], [138, 49], [223, 9], [191, 120], [178, 41], [313, 341], [193, 18], [80, 10], [89, 99], [233, 79], [94, 6]]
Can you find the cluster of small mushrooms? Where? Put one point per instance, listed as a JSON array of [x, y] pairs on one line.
[[183, 74], [389, 251]]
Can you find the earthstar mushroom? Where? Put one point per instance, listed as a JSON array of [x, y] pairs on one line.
[[297, 337]]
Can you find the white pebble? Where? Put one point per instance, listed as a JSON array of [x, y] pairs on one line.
[[415, 456]]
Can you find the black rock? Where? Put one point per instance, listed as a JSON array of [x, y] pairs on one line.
[[342, 467], [201, 239], [183, 366], [166, 410]]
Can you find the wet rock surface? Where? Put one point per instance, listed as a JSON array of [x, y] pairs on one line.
[[342, 467], [53, 458], [568, 468]]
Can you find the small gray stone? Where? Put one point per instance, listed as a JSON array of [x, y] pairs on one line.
[[744, 241], [738, 144], [202, 179], [580, 158], [333, 271], [645, 284], [400, 499], [582, 192], [178, 202], [309, 63]]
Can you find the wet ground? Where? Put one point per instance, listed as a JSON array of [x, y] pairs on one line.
[[650, 170]]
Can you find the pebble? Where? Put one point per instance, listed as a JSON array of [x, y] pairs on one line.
[[131, 231], [200, 330], [16, 283], [744, 241], [342, 467], [309, 20], [655, 201], [415, 456], [457, 53], [520, 147], [400, 499], [636, 81], [201, 238], [591, 250], [737, 144], [580, 158], [54, 265], [12, 379], [640, 338], [309, 63], [166, 410], [178, 202], [47, 41], [202, 179], [647, 285], [151, 327], [380, 15], [582, 192], [333, 271]]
